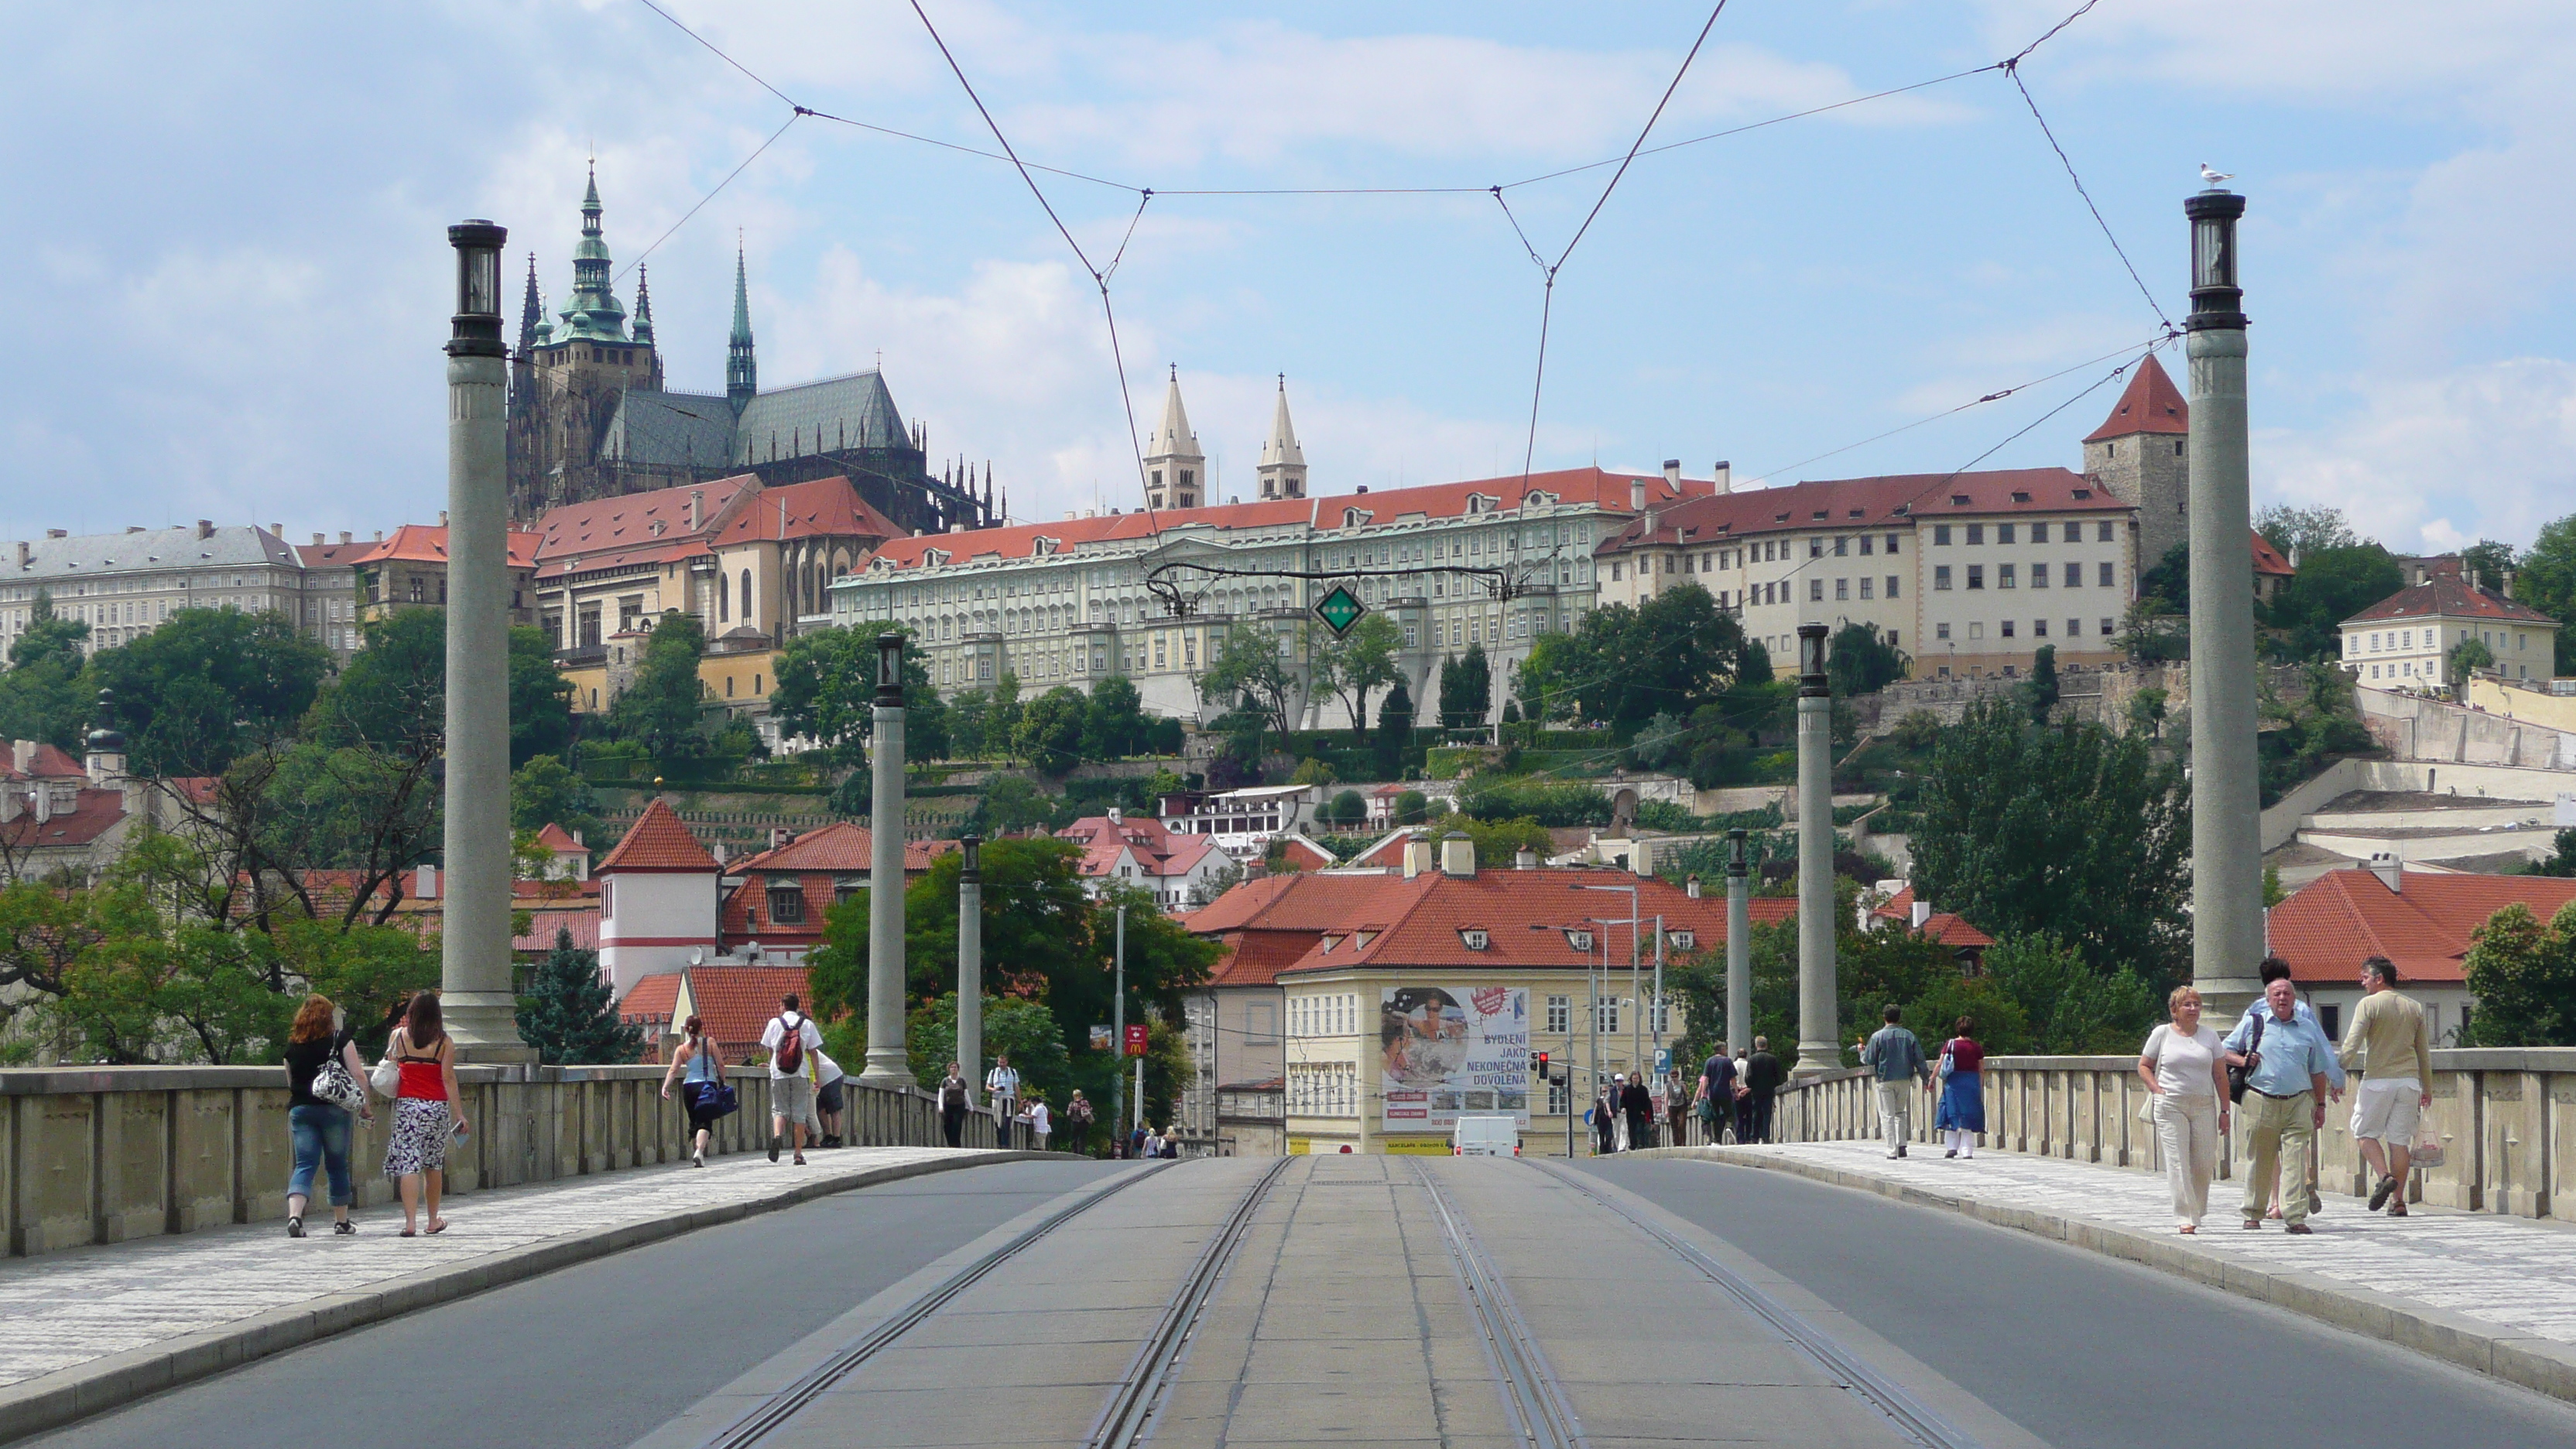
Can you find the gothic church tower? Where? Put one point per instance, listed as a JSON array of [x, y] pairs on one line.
[[1173, 462], [1283, 463], [2137, 453]]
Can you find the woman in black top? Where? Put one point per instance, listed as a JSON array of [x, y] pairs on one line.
[[321, 1130]]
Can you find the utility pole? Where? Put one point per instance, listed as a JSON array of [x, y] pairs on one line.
[[888, 1065], [1593, 980], [1820, 1046], [1739, 948], [2226, 835], [970, 963], [1118, 1034], [1659, 987], [474, 947]]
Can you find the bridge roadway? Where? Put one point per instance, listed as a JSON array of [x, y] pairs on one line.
[[1352, 1300]]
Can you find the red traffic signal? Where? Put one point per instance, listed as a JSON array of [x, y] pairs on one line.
[[1540, 1060]]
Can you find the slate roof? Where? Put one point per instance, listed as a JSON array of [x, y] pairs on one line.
[[657, 841], [827, 415], [2329, 925], [2149, 404], [2448, 596], [683, 429], [50, 559]]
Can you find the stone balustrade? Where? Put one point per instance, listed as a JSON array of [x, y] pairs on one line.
[[2506, 1116], [109, 1154]]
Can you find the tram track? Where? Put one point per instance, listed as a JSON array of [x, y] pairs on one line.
[[1541, 1414], [1127, 1419]]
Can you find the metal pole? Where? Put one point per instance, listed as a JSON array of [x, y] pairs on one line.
[[888, 1064], [1592, 980], [1819, 1029], [970, 966], [1118, 1030], [1739, 949], [1636, 986], [1659, 985], [2226, 837], [474, 946]]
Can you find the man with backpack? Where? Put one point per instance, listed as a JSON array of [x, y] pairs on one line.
[[793, 1044]]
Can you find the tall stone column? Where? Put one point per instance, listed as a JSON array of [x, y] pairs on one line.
[[970, 965], [888, 1065], [1739, 947], [475, 995], [2226, 820], [1819, 1026]]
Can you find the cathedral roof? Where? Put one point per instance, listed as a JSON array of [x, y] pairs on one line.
[[682, 428], [2151, 404], [835, 413]]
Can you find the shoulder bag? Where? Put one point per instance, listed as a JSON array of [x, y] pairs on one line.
[[716, 1096], [387, 1077], [2236, 1074], [333, 1084]]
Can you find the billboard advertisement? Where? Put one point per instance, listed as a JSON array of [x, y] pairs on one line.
[[1444, 1050]]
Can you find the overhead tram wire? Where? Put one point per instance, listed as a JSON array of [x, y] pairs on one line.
[[640, 257], [2012, 68]]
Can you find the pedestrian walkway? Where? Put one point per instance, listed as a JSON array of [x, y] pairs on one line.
[[68, 1310], [2515, 1275]]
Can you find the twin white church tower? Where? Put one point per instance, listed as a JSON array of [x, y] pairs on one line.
[[1176, 470]]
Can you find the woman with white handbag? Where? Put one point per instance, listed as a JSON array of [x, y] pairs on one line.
[[323, 1072]]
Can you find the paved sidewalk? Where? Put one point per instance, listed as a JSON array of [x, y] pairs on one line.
[[137, 1316], [2495, 1293]]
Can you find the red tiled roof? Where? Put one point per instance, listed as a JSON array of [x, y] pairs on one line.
[[2268, 560], [544, 922], [1864, 503], [2150, 404], [657, 841], [1300, 853], [559, 840], [572, 529], [1525, 915], [1158, 851], [2329, 925], [1946, 928], [1439, 500], [840, 846], [95, 813], [2449, 596], [735, 1002], [427, 543], [46, 761], [821, 507], [652, 999]]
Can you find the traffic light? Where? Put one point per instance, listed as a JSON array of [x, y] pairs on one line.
[[1540, 1059]]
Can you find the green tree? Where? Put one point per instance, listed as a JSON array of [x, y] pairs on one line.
[[2168, 582], [2561, 861], [202, 687], [826, 691], [540, 697], [393, 692], [1050, 731], [2333, 584], [569, 1014], [970, 715], [2468, 656], [2065, 830], [1023, 1029], [2042, 684], [41, 697], [1466, 689], [1394, 728], [2147, 712], [543, 790], [1249, 673], [1359, 664], [660, 708], [1002, 720], [2072, 1007], [1114, 725], [2488, 561], [1411, 808], [1756, 669], [2524, 973], [2547, 582], [2299, 532], [1860, 660], [1349, 809]]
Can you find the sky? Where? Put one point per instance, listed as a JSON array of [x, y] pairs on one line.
[[228, 280]]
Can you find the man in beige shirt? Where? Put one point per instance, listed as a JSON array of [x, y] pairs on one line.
[[2389, 1042]]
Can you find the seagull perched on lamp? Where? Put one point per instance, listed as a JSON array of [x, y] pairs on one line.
[[2215, 177]]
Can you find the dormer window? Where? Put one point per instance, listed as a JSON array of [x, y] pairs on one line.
[[1328, 943], [1356, 517], [934, 557], [2083, 493], [1683, 940], [1474, 937], [1958, 500], [1579, 940], [1042, 547], [1360, 940], [1482, 503], [2021, 498]]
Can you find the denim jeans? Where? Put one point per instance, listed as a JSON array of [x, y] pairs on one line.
[[321, 1140]]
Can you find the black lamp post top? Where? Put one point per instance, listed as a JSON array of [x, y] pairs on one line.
[[1735, 862], [475, 330], [890, 671], [1811, 660], [971, 866], [2217, 297]]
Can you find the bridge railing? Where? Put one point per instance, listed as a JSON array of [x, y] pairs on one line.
[[110, 1154], [2506, 1117]]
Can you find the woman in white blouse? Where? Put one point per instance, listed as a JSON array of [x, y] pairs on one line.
[[2185, 1068]]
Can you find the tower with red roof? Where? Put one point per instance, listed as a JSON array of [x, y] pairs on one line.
[[2137, 453]]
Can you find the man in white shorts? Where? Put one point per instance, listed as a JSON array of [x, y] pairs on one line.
[[2390, 1043]]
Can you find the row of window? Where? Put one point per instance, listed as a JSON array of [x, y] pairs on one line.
[[2105, 627], [2071, 531], [1324, 1015], [2008, 576], [2405, 639], [1560, 1015], [1324, 1089]]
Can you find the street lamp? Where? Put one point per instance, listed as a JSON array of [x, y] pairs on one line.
[[1819, 1045], [888, 1066], [1739, 946], [475, 330], [2216, 299], [1634, 986], [890, 670]]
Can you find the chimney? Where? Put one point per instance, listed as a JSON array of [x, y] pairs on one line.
[[2390, 870], [1692, 885], [134, 528], [2508, 583], [317, 540], [442, 518], [1116, 815], [1724, 472], [26, 553], [1673, 475], [1417, 855], [278, 529], [697, 507], [1457, 855], [1636, 495], [205, 528], [380, 535], [778, 837], [1919, 914], [424, 883], [1524, 859], [347, 537], [66, 533]]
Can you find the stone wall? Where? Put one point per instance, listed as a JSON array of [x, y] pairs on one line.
[[2412, 727], [2507, 1118], [109, 1154]]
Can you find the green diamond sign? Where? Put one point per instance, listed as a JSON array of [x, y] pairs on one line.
[[1341, 609]]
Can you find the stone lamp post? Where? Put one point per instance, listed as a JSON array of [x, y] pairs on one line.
[[1819, 1028]]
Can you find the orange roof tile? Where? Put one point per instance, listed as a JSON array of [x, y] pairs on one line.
[[840, 846], [427, 543], [2268, 560], [734, 1003], [2448, 596], [651, 999], [2150, 404], [559, 840], [582, 920], [46, 761], [657, 841], [2329, 925], [95, 813], [824, 506], [1524, 914], [1862, 503]]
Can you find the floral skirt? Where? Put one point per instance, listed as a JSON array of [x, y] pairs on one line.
[[421, 1127]]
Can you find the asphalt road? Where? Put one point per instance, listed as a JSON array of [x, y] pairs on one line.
[[2083, 1351], [601, 1353]]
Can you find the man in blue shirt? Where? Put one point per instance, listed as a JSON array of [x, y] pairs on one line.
[[1895, 1058], [2286, 1060], [1717, 1095], [2276, 969]]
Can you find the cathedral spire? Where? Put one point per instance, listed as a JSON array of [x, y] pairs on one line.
[[594, 314], [742, 369], [532, 312], [1283, 462], [1172, 459], [643, 306]]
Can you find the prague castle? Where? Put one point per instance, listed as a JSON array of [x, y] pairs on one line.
[[590, 417]]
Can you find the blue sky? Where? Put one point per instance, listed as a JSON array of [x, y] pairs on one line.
[[226, 286]]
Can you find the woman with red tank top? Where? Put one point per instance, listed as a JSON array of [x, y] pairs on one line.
[[428, 1110]]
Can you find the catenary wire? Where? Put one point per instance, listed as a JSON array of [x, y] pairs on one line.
[[2013, 69], [755, 155]]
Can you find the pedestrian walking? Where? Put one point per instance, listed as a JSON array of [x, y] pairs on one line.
[[1171, 1143], [1637, 1106], [792, 1043], [2389, 1041], [1718, 1079], [428, 1110], [1605, 1117], [698, 1066], [829, 1098], [1895, 1060], [1136, 1139], [952, 1104], [1962, 1112], [1034, 1113], [1675, 1110], [1077, 1118], [2186, 1069], [1153, 1143], [2284, 1057], [318, 1123], [1002, 1088], [2302, 1170], [1762, 1076]]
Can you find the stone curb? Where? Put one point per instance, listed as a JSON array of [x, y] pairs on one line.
[[2543, 1365], [50, 1401]]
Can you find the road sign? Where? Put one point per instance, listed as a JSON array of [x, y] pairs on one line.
[[1340, 609], [1101, 1038], [1136, 1041], [1663, 1060]]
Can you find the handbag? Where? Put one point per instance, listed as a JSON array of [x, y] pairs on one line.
[[717, 1098], [2236, 1074], [387, 1077], [2427, 1150], [333, 1084]]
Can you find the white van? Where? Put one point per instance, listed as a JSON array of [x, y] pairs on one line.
[[1489, 1134]]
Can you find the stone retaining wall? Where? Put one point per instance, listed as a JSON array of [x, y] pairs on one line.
[[2507, 1118], [109, 1154]]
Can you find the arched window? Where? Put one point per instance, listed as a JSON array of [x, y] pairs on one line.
[[746, 597], [724, 601]]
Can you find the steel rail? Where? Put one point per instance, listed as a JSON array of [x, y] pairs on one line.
[[1128, 1417], [1916, 1418], [779, 1408], [1541, 1415]]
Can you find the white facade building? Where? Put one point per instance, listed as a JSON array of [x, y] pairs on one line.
[[657, 901], [124, 585], [2405, 641]]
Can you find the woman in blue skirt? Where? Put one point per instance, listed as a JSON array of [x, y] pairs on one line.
[[1963, 1089]]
